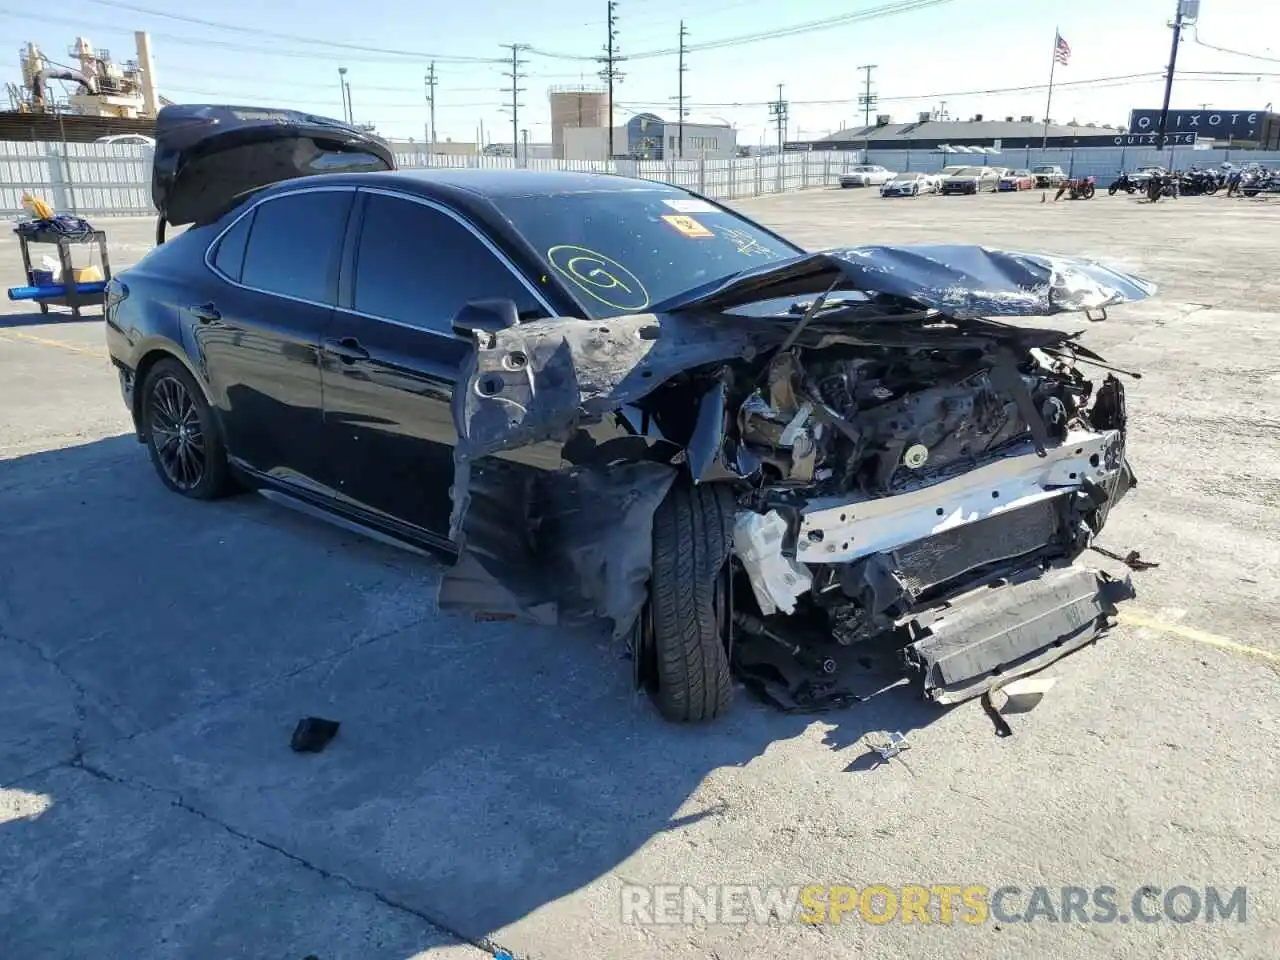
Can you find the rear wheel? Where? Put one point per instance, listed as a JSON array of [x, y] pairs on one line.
[[688, 611], [181, 434]]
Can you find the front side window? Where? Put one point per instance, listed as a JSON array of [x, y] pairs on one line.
[[294, 245], [420, 266]]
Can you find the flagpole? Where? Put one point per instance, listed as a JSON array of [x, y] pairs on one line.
[[1048, 104]]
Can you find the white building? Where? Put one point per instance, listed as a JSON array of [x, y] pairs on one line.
[[648, 137]]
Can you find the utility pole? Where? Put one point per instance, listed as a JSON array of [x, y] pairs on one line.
[[609, 72], [867, 100], [431, 103], [778, 111], [680, 96], [1188, 12], [516, 76]]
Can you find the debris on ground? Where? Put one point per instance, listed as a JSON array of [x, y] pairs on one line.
[[1133, 560], [1023, 695], [312, 734], [895, 745]]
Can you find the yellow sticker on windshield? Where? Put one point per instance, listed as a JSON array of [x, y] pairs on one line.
[[687, 225]]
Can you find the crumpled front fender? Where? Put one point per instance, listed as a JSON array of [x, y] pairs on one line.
[[536, 381]]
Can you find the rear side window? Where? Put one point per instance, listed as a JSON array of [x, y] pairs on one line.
[[294, 245], [229, 256], [419, 266]]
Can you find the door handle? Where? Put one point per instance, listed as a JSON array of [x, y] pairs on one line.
[[206, 312], [348, 349]]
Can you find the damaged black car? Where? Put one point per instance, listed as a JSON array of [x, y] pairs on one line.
[[612, 399]]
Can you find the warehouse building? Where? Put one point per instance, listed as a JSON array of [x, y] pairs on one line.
[[647, 136], [927, 133]]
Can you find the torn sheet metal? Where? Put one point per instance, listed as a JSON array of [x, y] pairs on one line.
[[959, 281], [557, 548], [535, 381]]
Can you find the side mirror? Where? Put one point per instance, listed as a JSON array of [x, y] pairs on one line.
[[487, 315]]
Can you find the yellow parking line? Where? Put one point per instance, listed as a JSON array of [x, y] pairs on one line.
[[60, 344], [1140, 618]]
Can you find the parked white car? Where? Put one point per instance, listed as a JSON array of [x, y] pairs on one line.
[[866, 175], [910, 184]]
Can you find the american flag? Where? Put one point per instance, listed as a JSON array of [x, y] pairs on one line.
[[1062, 51]]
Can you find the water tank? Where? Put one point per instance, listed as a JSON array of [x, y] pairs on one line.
[[576, 107]]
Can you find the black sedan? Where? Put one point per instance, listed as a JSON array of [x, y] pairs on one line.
[[613, 399]]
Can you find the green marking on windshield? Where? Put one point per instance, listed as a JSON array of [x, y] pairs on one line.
[[603, 277]]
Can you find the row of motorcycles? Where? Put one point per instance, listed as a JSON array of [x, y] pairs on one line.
[[1157, 183], [1161, 183]]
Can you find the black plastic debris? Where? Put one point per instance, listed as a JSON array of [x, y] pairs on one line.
[[312, 734]]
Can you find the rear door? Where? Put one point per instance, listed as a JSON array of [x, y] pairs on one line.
[[390, 359], [258, 330]]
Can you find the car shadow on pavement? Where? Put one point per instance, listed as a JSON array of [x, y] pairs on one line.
[[482, 771], [54, 317]]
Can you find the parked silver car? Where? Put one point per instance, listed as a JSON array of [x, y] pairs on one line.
[[972, 180]]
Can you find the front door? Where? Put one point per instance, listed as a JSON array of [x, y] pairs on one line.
[[257, 329], [390, 358]]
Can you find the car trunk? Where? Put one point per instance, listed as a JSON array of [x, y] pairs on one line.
[[206, 157]]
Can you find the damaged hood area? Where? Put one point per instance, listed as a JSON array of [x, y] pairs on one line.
[[959, 281]]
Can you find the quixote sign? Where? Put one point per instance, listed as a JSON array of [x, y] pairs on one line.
[[1141, 140], [1218, 124]]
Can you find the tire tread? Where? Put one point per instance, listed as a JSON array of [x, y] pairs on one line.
[[690, 545]]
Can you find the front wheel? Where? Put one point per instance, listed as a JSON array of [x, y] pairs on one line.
[[688, 610], [1113, 189], [181, 434]]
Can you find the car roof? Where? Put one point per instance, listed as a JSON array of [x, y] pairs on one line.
[[490, 182], [475, 191]]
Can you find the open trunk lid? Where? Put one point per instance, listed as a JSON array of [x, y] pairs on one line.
[[206, 156]]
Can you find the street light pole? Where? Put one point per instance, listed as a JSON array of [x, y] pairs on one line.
[[342, 90]]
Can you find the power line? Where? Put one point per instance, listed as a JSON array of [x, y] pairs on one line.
[[1176, 26], [609, 72], [516, 76], [778, 111], [182, 40], [873, 13], [1027, 88], [1195, 38], [255, 31], [867, 100], [429, 82], [680, 108]]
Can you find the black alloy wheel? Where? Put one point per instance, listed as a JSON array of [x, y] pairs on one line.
[[181, 434]]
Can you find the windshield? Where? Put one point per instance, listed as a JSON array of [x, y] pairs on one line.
[[620, 251], [968, 172], [1046, 169], [907, 176]]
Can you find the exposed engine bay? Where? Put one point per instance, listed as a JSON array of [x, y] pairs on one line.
[[907, 478]]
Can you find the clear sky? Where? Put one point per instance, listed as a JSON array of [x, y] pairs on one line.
[[941, 50]]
